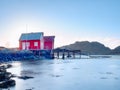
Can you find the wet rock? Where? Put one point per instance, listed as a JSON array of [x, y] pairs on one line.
[[5, 66], [13, 75], [5, 77], [8, 66], [7, 83], [2, 69], [25, 77]]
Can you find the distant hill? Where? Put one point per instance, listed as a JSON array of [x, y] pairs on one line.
[[116, 51], [87, 47]]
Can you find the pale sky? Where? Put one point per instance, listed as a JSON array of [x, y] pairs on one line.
[[68, 20]]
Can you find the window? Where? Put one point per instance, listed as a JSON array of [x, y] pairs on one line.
[[35, 43]]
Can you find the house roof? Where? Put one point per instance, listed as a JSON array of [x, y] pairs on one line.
[[31, 36], [49, 38]]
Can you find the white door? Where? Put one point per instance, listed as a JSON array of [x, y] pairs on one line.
[[27, 45], [23, 45]]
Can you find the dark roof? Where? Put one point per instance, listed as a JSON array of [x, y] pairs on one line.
[[49, 38], [31, 36]]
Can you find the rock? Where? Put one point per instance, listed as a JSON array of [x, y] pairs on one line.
[[13, 75], [2, 69], [25, 77], [7, 83], [8, 66], [5, 76]]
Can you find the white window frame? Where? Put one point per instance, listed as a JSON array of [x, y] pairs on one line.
[[36, 44]]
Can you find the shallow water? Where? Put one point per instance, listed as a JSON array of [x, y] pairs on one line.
[[69, 74]]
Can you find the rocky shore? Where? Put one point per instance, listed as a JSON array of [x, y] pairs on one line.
[[6, 80], [5, 77], [7, 55], [10, 55]]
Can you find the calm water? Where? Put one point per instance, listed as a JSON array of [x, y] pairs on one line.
[[69, 74]]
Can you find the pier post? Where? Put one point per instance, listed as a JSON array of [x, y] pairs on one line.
[[68, 55], [63, 55], [39, 53], [80, 54], [58, 54], [74, 54], [52, 56]]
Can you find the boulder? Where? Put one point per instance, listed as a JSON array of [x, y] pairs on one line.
[[7, 83]]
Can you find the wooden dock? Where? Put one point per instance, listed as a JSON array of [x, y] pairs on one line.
[[64, 53]]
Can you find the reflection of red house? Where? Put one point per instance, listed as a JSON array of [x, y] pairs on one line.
[[36, 41]]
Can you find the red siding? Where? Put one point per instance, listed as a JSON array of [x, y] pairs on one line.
[[20, 45], [31, 46], [49, 42], [48, 45]]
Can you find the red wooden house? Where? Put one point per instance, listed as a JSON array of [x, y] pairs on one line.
[[36, 41], [48, 42]]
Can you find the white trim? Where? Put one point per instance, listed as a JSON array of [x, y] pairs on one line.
[[42, 42], [23, 45]]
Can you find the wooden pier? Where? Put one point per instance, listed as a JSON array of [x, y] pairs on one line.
[[64, 53]]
